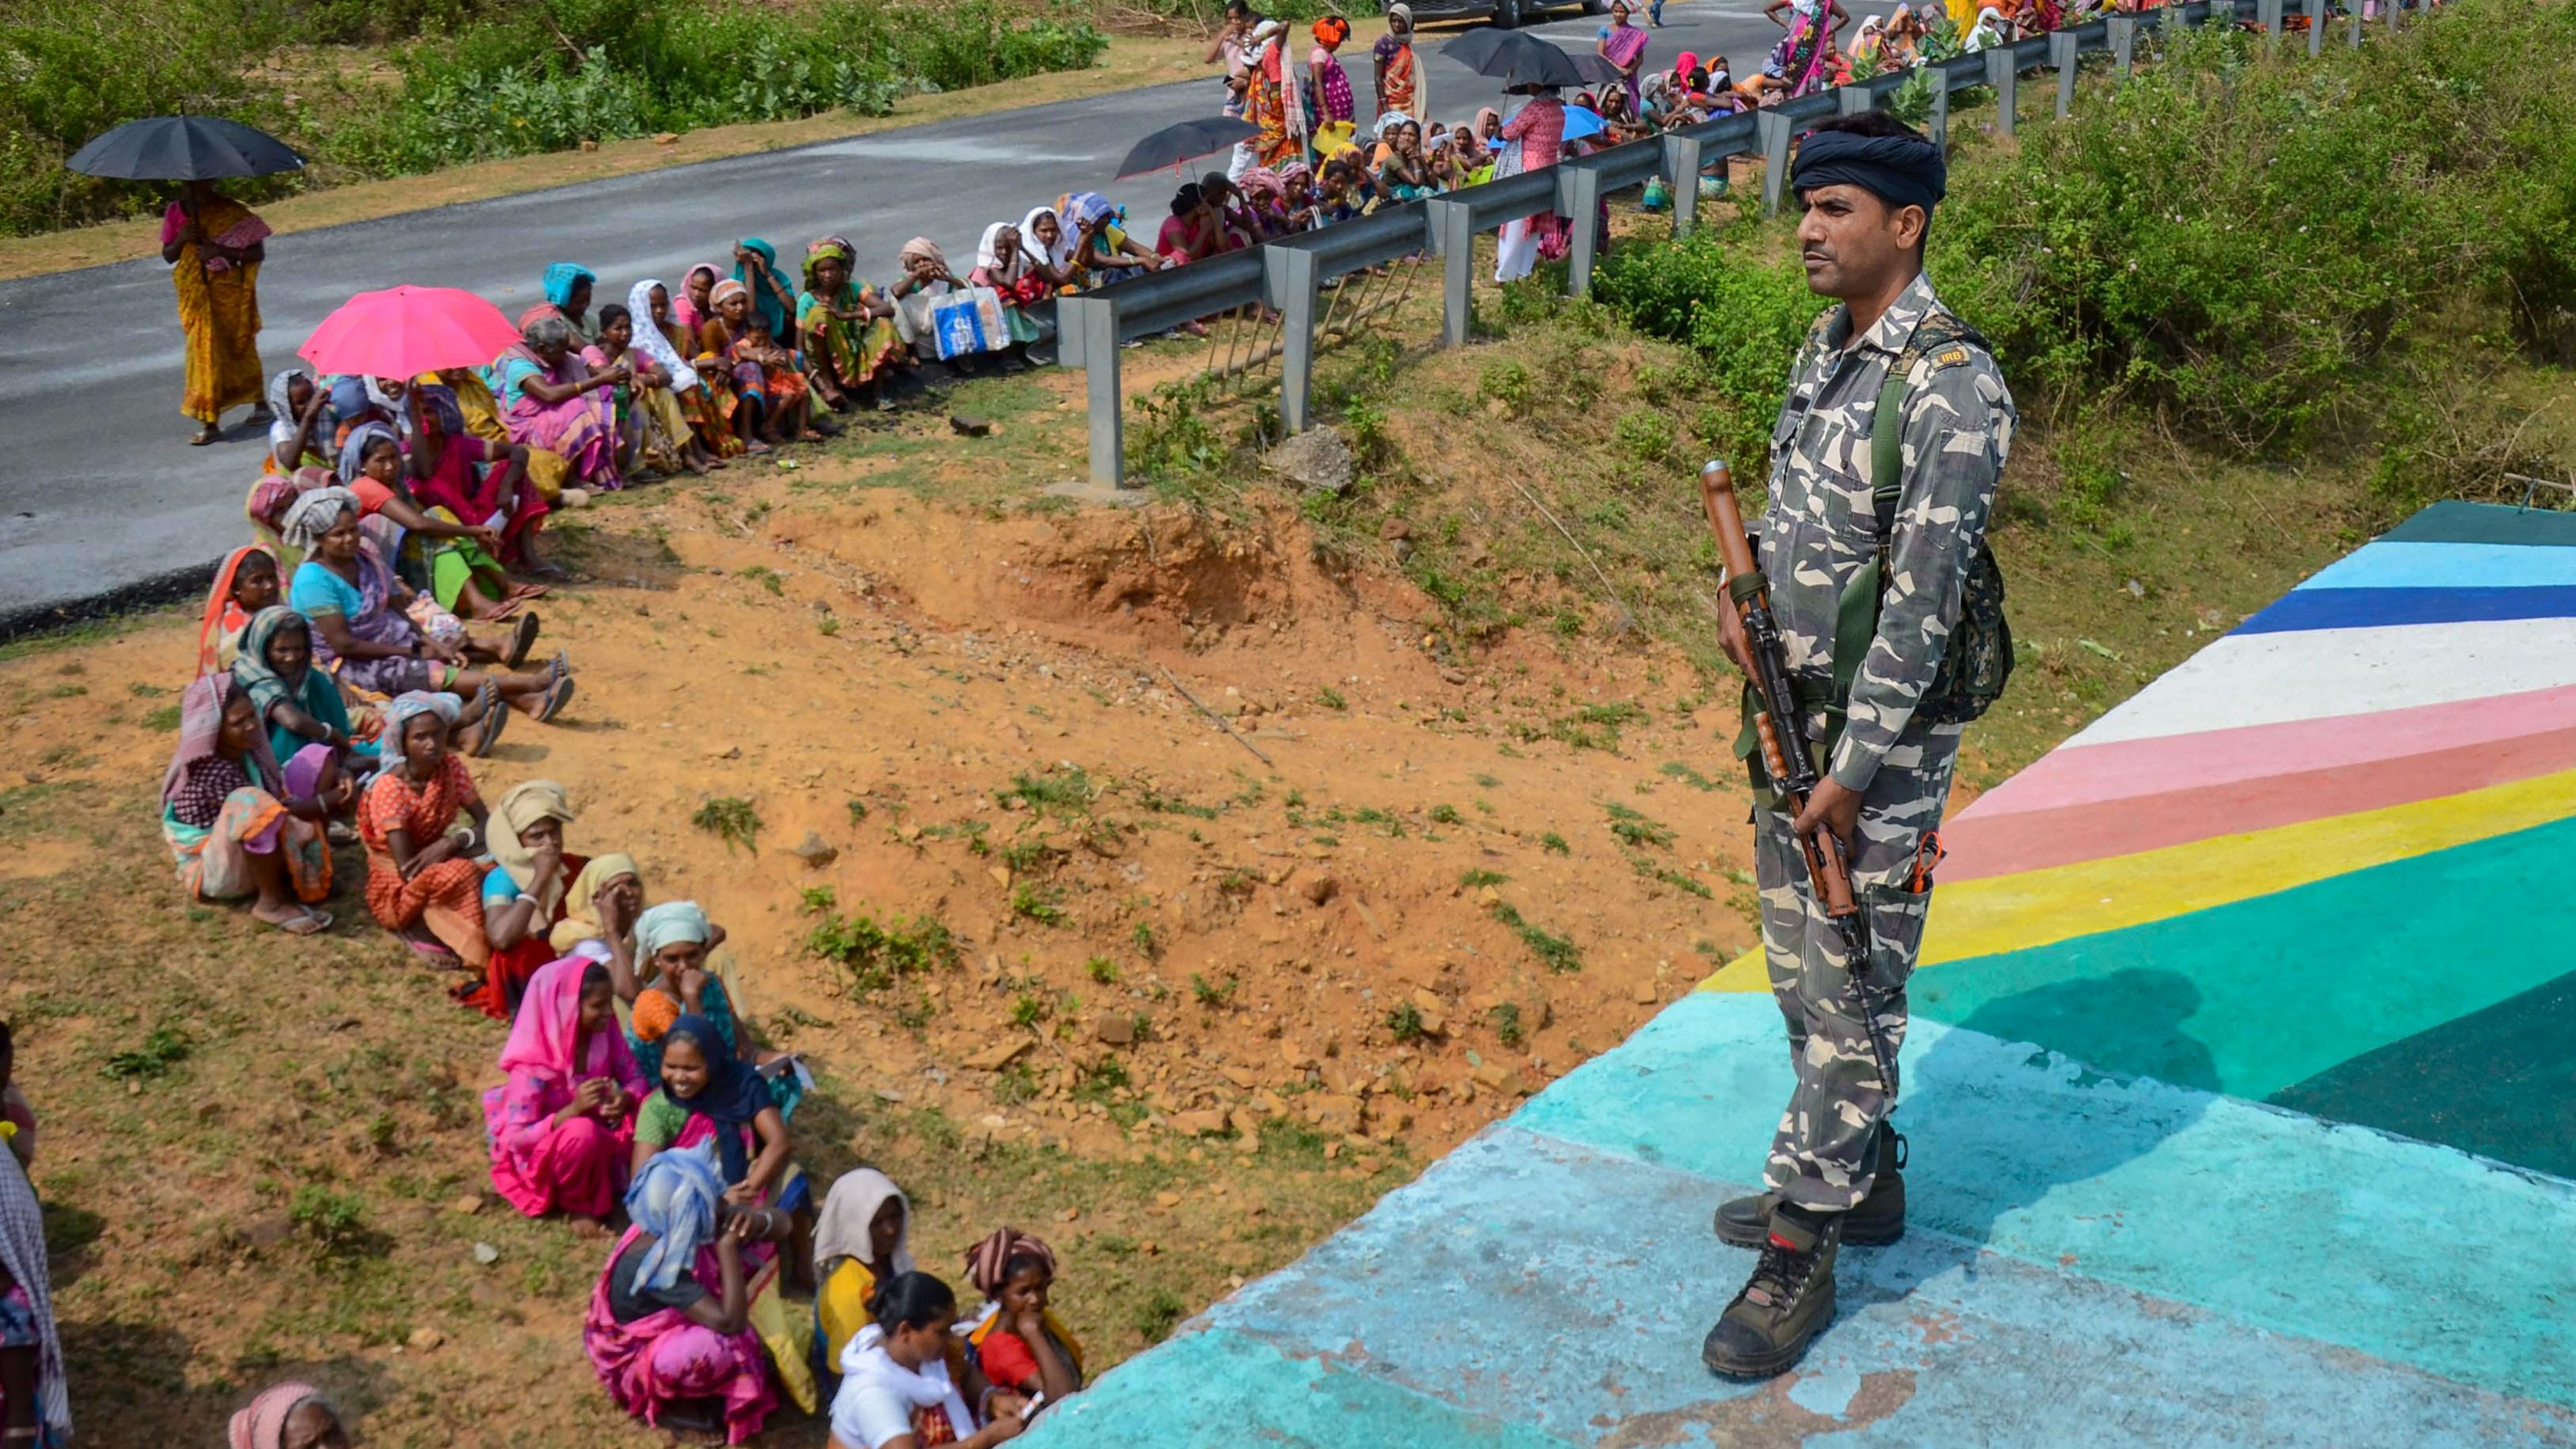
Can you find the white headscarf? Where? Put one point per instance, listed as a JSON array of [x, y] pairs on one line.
[[987, 259], [849, 1210], [649, 339], [1058, 255], [1988, 32]]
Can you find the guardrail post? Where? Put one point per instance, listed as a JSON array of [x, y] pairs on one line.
[[1288, 276], [1453, 231], [2003, 72], [1578, 200], [1087, 337], [2062, 53], [2356, 22], [1773, 130], [1852, 100], [2176, 15], [1936, 127], [2122, 32], [1681, 172], [2396, 15], [2267, 13]]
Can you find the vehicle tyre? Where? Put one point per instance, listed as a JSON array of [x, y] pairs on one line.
[[1507, 14], [1596, 7]]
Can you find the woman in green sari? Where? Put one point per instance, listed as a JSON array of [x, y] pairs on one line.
[[299, 704], [847, 330]]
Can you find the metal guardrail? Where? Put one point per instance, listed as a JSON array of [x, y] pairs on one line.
[[1289, 273]]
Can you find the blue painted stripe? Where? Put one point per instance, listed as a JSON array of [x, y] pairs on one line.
[[2386, 565], [2309, 608], [2273, 1219], [1218, 1388], [1529, 1280]]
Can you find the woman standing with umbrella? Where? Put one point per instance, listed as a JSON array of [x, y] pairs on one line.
[[214, 245]]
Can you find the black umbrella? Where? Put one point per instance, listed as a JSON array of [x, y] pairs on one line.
[[184, 148], [1521, 59], [1187, 141]]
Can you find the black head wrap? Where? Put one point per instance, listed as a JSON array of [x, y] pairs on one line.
[[1186, 200], [1899, 170]]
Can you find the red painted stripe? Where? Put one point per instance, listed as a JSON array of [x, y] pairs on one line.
[[2005, 844], [2090, 774]]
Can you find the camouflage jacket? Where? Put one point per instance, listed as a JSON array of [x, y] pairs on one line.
[[1820, 528]]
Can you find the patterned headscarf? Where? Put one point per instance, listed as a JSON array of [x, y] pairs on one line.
[[986, 1260], [1080, 210], [823, 249], [251, 669], [649, 338], [353, 449], [313, 514], [22, 1252], [675, 1199], [201, 732], [669, 923], [405, 707], [562, 277], [263, 1424]]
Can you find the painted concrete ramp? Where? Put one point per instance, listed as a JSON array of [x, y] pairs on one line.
[[2241, 1101]]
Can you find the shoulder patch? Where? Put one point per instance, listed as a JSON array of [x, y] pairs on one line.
[[1951, 358]]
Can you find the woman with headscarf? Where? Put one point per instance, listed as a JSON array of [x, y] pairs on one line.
[[1017, 1341], [1801, 57], [422, 883], [1902, 46], [662, 335], [1003, 263], [680, 975], [598, 922], [430, 546], [1990, 31], [770, 392], [549, 398], [567, 288], [463, 477], [234, 820], [1869, 47], [1329, 98], [858, 1244], [848, 331], [302, 427], [299, 705], [896, 1386], [692, 305], [31, 1351], [1399, 76], [214, 246], [559, 1128], [287, 1416], [925, 286], [668, 1330], [648, 438], [1103, 252], [245, 583], [706, 1094], [1049, 247], [524, 895], [1623, 44], [755, 265]]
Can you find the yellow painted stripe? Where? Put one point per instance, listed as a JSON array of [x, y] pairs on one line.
[[2037, 907]]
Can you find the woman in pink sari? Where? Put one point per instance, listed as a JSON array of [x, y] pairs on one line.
[[669, 1330], [549, 398], [563, 1126], [1624, 45], [1800, 57]]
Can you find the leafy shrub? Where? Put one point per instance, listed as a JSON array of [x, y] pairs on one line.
[[1745, 312], [871, 957]]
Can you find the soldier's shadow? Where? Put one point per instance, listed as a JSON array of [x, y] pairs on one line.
[[2034, 1092]]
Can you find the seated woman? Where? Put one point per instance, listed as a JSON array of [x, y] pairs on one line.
[[847, 330], [782, 380], [1404, 173], [671, 396], [478, 481], [568, 287], [647, 449], [245, 583], [1190, 233], [288, 1416], [858, 1244], [896, 1391], [674, 940], [749, 407], [447, 559], [304, 428], [422, 883], [550, 400], [549, 473], [669, 1330], [1102, 250], [235, 822], [299, 705], [598, 921], [927, 285], [524, 894], [1016, 1341], [694, 305], [1004, 265], [357, 608], [704, 394], [707, 1094], [1049, 248], [559, 1128]]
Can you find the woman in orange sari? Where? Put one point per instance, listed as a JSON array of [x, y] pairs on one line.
[[422, 883], [214, 246]]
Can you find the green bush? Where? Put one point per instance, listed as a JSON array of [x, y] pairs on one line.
[[1745, 311]]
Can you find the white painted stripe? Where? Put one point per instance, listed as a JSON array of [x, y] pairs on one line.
[[2253, 679], [2395, 565]]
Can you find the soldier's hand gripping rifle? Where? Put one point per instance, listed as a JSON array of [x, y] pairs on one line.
[[1784, 744]]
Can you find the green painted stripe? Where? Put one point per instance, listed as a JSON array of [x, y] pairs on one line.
[[2254, 996], [2458, 522], [1220, 1388]]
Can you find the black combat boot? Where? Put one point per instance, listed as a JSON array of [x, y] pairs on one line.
[[1877, 1222], [1788, 1301]]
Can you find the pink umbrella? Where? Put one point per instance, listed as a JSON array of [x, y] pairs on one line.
[[408, 331]]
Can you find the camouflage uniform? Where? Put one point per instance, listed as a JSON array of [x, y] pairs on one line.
[[1819, 529]]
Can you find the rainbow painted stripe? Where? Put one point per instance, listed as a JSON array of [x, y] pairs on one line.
[[2320, 863]]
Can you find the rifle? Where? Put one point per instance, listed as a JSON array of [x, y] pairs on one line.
[[1784, 743]]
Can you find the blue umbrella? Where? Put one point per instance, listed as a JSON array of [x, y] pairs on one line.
[[1580, 123]]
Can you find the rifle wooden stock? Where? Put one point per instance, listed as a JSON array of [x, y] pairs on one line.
[[1775, 723]]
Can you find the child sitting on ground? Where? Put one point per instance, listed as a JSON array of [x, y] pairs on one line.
[[785, 382]]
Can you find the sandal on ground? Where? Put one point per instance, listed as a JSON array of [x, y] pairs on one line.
[[207, 434], [496, 715], [302, 923], [522, 639], [432, 953], [529, 591], [556, 699]]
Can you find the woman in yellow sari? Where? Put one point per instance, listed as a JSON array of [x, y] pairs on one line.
[[214, 246]]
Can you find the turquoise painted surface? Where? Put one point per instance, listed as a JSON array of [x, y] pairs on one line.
[[2400, 565], [1530, 1281], [2457, 521], [2256, 996], [2410, 1252]]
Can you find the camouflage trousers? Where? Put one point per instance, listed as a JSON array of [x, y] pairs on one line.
[[1823, 1155]]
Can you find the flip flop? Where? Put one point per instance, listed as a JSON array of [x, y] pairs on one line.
[[432, 954], [560, 665], [530, 591], [495, 716], [522, 639], [556, 699], [303, 925]]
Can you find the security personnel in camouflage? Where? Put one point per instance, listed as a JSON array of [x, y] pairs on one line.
[[1868, 186]]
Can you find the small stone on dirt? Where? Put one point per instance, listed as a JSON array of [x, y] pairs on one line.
[[486, 1254], [1000, 1055], [666, 138], [469, 1204], [1167, 1199], [1205, 1123], [815, 852], [425, 1338], [1320, 889], [1393, 529], [1646, 993], [1316, 458], [1117, 1031], [1068, 1215], [970, 427]]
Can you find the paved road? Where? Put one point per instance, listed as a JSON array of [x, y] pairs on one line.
[[100, 494]]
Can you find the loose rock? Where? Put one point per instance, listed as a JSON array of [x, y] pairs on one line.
[[1316, 458]]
